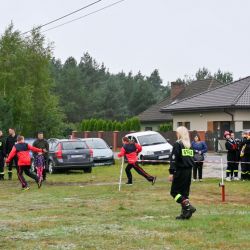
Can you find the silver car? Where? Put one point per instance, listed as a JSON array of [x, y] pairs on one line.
[[102, 153]]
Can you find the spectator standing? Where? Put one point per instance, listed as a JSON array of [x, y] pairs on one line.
[[2, 155], [200, 148], [245, 157], [10, 142], [232, 156], [42, 143]]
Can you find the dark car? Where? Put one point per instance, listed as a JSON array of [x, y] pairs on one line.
[[31, 141], [102, 153], [67, 154]]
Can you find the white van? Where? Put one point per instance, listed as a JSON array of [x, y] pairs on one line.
[[154, 145]]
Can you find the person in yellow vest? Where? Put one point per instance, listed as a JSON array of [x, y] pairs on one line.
[[181, 164], [245, 157]]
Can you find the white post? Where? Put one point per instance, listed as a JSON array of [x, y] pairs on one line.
[[120, 181]]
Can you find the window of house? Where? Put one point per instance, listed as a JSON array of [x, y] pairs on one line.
[[246, 125], [186, 124], [179, 124]]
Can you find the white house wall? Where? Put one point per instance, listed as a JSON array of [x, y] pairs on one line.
[[154, 126], [199, 121]]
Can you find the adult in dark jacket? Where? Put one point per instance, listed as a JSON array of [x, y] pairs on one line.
[[10, 142], [242, 145], [2, 155], [200, 148], [42, 143], [245, 157], [232, 157], [181, 164]]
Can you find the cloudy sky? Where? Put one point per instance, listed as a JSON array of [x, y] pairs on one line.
[[176, 37]]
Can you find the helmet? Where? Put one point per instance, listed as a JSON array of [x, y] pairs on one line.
[[226, 133]]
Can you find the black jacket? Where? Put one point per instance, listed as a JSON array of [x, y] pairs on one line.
[[232, 150], [181, 158], [242, 142], [246, 146], [10, 142], [2, 147], [43, 144]]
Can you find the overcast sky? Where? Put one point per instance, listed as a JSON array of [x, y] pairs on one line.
[[177, 37]]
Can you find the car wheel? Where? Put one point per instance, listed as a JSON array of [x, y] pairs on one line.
[[87, 170], [51, 167]]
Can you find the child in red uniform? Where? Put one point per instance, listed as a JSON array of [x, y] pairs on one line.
[[21, 150], [131, 150]]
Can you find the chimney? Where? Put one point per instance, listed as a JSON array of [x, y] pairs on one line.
[[176, 89]]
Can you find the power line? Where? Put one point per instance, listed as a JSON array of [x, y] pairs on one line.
[[71, 13], [91, 13]]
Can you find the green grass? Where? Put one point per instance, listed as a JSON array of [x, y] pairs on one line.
[[86, 211]]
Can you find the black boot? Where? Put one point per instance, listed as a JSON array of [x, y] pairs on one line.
[[186, 211], [181, 216]]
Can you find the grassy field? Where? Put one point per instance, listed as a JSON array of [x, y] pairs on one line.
[[86, 211]]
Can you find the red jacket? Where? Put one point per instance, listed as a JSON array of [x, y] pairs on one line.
[[22, 150], [130, 150]]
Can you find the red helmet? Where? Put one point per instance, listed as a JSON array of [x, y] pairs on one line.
[[226, 133]]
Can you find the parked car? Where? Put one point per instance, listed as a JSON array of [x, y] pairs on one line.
[[65, 154], [102, 153], [154, 145]]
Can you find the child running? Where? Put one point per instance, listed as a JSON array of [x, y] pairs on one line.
[[21, 150], [131, 150]]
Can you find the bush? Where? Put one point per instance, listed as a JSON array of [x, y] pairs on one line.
[[166, 127], [131, 124]]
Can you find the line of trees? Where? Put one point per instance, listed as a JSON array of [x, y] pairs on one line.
[[204, 73], [87, 90]]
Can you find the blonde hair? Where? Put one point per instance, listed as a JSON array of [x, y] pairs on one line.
[[183, 136]]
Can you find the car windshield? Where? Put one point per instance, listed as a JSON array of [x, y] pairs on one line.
[[72, 145], [96, 144], [153, 139]]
